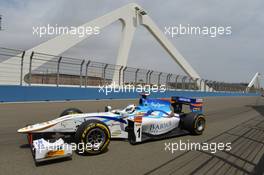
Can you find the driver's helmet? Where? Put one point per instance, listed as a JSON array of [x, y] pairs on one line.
[[130, 108]]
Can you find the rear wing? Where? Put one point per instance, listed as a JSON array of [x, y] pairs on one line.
[[196, 104]]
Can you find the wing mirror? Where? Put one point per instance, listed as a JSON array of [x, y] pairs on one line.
[[108, 108]]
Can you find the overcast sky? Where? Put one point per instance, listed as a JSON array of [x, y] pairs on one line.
[[233, 58]]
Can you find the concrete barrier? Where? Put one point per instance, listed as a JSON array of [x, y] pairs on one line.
[[44, 93]]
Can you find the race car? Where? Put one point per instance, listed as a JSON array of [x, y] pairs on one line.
[[150, 119]]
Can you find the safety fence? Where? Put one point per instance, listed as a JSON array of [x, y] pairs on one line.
[[33, 68]]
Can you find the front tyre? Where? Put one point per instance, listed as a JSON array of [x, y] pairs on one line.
[[131, 134], [195, 123], [71, 111], [92, 137]]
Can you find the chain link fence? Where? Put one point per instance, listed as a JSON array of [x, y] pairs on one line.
[[21, 68]]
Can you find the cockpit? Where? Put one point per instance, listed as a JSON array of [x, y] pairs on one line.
[[130, 109]]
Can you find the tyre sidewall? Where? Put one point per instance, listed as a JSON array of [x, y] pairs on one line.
[[195, 128], [189, 122], [85, 128]]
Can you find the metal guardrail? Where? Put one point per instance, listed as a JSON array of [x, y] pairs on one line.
[[10, 69], [46, 69]]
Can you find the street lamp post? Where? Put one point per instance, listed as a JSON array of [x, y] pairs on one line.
[[0, 22]]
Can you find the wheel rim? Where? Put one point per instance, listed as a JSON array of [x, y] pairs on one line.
[[200, 124], [96, 138]]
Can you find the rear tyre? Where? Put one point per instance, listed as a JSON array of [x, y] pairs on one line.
[[71, 111], [92, 137], [195, 123]]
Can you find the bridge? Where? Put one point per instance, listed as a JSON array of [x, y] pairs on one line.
[[29, 67]]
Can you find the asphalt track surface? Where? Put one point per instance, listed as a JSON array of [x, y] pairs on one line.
[[239, 120]]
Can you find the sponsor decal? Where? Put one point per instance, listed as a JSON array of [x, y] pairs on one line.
[[55, 153], [156, 105], [161, 127], [116, 132], [140, 113], [185, 99], [138, 119]]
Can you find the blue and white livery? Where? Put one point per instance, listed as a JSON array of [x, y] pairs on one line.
[[150, 119]]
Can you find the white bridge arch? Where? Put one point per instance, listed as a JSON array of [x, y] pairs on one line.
[[131, 15], [255, 82]]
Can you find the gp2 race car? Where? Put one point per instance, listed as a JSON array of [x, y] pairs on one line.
[[151, 119]]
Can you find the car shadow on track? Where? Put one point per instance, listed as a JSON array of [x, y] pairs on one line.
[[259, 109], [245, 157], [25, 146]]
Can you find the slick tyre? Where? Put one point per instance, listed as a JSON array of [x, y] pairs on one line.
[[71, 111], [194, 123], [92, 137]]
